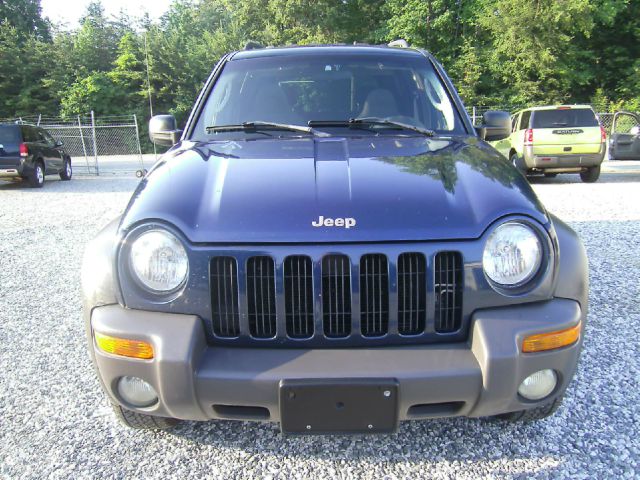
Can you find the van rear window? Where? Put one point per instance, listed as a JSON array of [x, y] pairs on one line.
[[9, 135], [573, 117]]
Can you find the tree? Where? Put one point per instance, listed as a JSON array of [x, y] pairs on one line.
[[96, 43], [26, 17]]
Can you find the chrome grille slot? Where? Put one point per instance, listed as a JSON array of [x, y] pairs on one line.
[[412, 293], [336, 296], [223, 273], [298, 296], [261, 297], [374, 295], [448, 292]]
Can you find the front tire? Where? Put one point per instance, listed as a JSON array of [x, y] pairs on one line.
[[36, 179], [516, 162], [532, 414], [140, 421], [67, 171], [591, 175]]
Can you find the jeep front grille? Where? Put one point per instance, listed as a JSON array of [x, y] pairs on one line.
[[337, 299], [298, 296], [336, 296], [448, 291], [224, 296], [261, 297]]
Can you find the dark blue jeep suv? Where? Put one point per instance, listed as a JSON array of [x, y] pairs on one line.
[[331, 244]]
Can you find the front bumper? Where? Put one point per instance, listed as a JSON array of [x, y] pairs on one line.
[[196, 381]]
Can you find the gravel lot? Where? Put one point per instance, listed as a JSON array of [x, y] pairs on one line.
[[56, 421]]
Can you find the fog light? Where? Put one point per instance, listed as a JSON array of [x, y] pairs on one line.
[[538, 385], [137, 392]]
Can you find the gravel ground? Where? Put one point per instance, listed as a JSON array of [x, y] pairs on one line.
[[56, 421]]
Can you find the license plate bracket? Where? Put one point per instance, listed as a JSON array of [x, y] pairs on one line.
[[338, 406]]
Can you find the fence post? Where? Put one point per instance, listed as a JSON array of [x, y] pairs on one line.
[[135, 120], [39, 118], [474, 115], [95, 144], [84, 147]]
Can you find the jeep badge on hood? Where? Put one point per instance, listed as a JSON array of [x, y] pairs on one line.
[[334, 222]]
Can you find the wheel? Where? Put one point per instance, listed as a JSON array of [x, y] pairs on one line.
[[532, 414], [141, 421], [516, 162], [590, 175], [551, 175], [36, 179], [67, 171]]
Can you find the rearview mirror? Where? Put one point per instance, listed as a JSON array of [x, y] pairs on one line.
[[635, 130], [496, 125], [163, 130]]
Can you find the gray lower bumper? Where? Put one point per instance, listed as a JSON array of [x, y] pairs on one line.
[[199, 382], [562, 163], [10, 172]]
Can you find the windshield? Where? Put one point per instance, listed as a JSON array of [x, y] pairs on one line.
[[298, 89], [573, 117]]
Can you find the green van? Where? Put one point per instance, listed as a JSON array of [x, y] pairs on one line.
[[556, 139]]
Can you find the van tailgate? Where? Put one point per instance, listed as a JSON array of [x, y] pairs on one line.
[[559, 141]]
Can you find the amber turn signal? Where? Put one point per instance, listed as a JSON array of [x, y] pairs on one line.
[[124, 347], [551, 340]]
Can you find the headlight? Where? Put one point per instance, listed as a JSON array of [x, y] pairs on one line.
[[512, 255], [159, 261]]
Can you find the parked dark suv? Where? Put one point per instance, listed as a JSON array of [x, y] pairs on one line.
[[331, 244], [28, 152]]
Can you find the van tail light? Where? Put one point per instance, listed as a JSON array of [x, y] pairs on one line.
[[603, 134], [528, 137], [24, 150]]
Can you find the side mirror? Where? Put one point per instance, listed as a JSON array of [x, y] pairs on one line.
[[496, 125], [635, 130], [59, 143], [163, 130]]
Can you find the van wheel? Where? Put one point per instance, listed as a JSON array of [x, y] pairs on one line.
[[532, 414], [36, 179], [67, 171], [141, 421], [516, 162], [590, 175]]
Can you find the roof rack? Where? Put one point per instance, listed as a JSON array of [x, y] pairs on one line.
[[401, 42], [252, 45]]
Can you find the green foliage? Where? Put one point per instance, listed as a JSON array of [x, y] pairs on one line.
[[498, 52], [26, 17]]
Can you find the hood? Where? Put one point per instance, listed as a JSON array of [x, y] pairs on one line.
[[334, 189]]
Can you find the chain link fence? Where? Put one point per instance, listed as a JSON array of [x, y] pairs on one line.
[[97, 144]]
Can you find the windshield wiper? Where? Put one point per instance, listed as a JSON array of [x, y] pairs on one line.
[[364, 121], [258, 125]]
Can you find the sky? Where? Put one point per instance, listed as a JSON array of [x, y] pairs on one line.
[[70, 11]]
